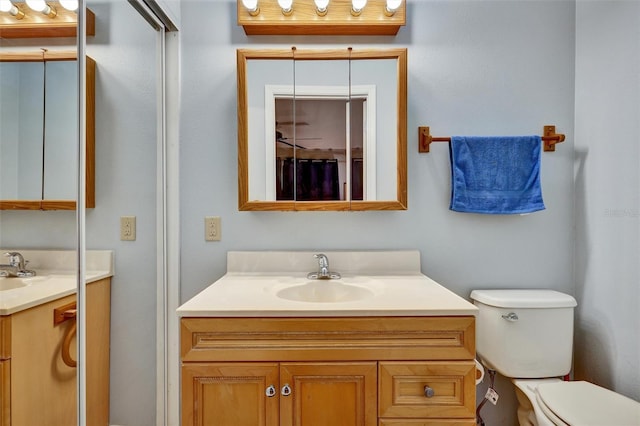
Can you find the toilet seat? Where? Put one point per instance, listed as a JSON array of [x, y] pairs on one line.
[[586, 404]]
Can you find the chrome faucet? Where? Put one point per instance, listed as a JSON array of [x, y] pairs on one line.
[[323, 269], [16, 266]]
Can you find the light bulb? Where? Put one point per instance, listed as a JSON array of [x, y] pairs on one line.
[[8, 7], [5, 6], [42, 6], [251, 6], [391, 7], [321, 7], [286, 6], [71, 5], [357, 6]]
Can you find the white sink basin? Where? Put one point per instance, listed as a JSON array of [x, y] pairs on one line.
[[325, 291], [12, 283]]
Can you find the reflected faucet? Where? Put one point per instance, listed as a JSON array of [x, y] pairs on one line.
[[323, 269], [16, 266]]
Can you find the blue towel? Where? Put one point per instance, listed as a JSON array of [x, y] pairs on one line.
[[496, 174]]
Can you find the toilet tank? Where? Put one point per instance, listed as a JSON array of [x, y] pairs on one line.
[[525, 333]]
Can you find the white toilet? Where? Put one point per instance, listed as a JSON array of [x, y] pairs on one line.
[[527, 335]]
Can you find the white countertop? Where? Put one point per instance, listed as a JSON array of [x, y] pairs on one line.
[[250, 287], [55, 277]]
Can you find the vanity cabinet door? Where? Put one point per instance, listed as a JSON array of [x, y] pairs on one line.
[[224, 394], [328, 394]]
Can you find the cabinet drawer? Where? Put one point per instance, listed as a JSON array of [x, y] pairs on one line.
[[401, 389], [426, 422]]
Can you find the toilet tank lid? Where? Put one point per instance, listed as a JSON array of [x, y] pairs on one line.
[[524, 298]]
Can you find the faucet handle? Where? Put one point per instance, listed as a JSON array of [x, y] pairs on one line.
[[15, 259]]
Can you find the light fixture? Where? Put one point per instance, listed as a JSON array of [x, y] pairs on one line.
[[357, 6], [12, 9], [70, 5], [321, 7], [391, 7], [322, 17], [251, 6], [286, 6], [42, 7]]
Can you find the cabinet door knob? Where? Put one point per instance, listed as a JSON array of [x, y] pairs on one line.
[[270, 391], [286, 390], [429, 392]]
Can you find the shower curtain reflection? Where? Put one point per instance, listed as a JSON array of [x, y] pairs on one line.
[[313, 180]]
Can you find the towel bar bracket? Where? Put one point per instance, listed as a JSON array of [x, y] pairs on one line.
[[425, 139], [549, 137]]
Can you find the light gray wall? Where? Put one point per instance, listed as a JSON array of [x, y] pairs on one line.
[[476, 68], [607, 190]]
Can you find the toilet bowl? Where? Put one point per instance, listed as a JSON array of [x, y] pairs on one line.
[[527, 335]]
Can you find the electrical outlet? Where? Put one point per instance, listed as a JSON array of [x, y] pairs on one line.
[[212, 228], [127, 228]]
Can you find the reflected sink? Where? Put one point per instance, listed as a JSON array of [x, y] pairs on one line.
[[11, 283], [324, 291]]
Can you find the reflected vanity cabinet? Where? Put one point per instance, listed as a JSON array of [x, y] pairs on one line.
[[37, 387], [39, 130], [349, 371]]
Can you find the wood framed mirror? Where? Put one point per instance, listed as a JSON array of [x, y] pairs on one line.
[[322, 129], [38, 137]]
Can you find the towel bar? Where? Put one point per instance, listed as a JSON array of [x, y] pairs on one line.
[[549, 137]]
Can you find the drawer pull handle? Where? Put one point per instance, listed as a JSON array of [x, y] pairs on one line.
[[429, 392], [286, 390], [271, 391]]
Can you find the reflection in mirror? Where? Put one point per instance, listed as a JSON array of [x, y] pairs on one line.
[[322, 130], [60, 181], [38, 122], [21, 116]]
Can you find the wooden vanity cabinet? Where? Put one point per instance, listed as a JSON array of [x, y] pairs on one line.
[[36, 386], [349, 371]]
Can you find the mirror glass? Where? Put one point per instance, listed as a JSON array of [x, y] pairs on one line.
[[38, 130], [21, 130], [322, 130], [60, 130]]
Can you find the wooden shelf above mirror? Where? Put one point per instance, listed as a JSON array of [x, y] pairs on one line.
[[37, 25], [304, 19]]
